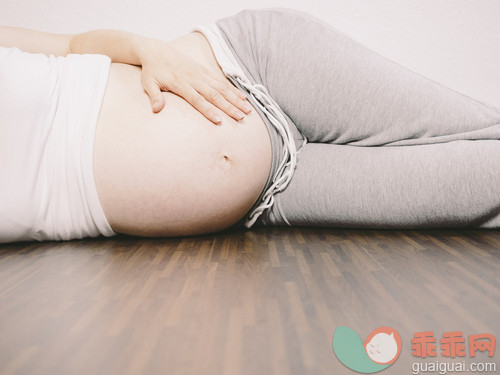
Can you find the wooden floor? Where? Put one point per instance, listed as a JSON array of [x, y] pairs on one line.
[[265, 301]]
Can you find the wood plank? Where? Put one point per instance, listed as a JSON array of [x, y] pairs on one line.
[[241, 302]]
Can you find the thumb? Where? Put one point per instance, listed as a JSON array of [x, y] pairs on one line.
[[155, 96]]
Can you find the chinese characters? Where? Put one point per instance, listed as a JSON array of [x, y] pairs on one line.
[[452, 344]]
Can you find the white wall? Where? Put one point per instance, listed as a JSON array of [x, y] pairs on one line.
[[454, 42]]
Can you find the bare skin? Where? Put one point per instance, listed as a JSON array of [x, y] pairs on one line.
[[175, 172]]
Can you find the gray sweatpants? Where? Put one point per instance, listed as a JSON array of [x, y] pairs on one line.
[[387, 147]]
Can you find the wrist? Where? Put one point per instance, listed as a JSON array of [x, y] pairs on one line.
[[145, 49]]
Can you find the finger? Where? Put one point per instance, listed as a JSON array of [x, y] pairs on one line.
[[240, 94], [202, 105], [217, 99], [233, 96], [155, 95]]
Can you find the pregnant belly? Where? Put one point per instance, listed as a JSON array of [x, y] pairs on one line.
[[174, 173]]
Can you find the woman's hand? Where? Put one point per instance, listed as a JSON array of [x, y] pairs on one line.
[[166, 69]]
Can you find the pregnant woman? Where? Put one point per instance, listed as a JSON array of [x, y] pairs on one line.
[[82, 153]]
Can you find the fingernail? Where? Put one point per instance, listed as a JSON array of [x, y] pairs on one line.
[[156, 105], [217, 119], [247, 107]]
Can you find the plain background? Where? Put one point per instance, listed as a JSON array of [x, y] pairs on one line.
[[454, 42]]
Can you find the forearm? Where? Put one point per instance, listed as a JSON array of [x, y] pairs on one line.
[[34, 41], [120, 46]]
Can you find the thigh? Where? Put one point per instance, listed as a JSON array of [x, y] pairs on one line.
[[336, 90], [438, 185]]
